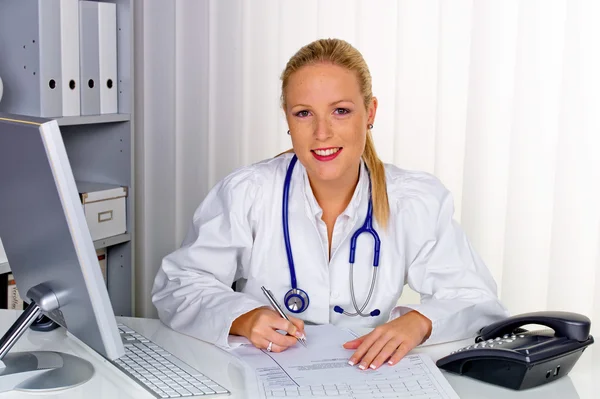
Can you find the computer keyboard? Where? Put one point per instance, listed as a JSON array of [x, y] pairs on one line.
[[159, 372]]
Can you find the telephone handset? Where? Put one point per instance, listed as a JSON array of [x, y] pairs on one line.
[[506, 355]]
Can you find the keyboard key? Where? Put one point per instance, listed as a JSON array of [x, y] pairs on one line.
[[195, 391], [183, 392]]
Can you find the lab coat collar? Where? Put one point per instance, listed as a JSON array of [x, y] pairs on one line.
[[351, 211]]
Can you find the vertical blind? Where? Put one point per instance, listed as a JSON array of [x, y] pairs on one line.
[[499, 99]]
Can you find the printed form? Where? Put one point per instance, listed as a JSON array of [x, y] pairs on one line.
[[322, 370]]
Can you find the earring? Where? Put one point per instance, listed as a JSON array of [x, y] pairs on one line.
[[370, 126], [288, 132]]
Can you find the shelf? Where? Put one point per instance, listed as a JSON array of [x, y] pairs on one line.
[[4, 268], [106, 242], [92, 119], [114, 240]]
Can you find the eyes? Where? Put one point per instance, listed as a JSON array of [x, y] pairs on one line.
[[342, 111], [338, 111]]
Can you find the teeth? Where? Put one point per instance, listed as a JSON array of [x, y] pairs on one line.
[[324, 153]]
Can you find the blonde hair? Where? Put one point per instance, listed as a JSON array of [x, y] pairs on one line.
[[343, 54]]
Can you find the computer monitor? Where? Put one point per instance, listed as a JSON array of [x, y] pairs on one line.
[[50, 250]]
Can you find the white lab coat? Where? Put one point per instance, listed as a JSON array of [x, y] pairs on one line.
[[237, 234]]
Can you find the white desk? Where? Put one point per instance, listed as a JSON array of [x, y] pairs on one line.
[[109, 382]]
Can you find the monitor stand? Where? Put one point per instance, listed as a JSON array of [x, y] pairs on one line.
[[38, 371]]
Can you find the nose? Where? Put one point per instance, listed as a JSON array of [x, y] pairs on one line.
[[322, 129]]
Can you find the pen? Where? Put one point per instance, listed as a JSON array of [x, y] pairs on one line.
[[276, 306]]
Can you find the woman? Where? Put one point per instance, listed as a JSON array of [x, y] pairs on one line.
[[237, 234]]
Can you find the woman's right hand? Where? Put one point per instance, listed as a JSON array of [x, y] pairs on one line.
[[260, 325]]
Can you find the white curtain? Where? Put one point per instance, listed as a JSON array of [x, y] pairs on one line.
[[499, 99]]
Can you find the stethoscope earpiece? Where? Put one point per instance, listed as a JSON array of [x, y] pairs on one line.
[[338, 309]]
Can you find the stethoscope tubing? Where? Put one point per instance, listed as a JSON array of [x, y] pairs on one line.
[[367, 227], [286, 230]]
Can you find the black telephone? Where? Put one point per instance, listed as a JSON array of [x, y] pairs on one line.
[[506, 355]]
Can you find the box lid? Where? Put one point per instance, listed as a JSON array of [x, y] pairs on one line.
[[93, 192]]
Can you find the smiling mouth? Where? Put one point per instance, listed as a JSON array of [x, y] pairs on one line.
[[327, 152]]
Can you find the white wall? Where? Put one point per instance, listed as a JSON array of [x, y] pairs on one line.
[[499, 99]]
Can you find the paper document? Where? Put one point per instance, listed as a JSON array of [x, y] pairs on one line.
[[322, 369]]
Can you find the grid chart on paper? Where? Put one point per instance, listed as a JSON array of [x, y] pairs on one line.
[[407, 382]]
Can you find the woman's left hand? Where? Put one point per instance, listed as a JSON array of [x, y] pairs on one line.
[[392, 340]]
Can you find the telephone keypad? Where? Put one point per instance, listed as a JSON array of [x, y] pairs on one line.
[[490, 343]]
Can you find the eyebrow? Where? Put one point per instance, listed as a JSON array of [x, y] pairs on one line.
[[333, 103]]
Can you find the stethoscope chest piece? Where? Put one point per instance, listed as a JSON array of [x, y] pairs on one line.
[[296, 300]]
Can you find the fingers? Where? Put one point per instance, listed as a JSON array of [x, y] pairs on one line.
[[264, 330], [274, 347], [354, 343], [372, 352], [375, 348], [363, 347], [298, 323], [391, 348], [399, 354], [287, 326], [280, 339]]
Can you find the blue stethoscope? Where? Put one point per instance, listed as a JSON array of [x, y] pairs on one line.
[[296, 300]]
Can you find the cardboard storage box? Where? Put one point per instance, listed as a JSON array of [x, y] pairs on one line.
[[104, 207]]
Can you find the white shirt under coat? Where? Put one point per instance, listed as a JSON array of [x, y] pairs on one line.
[[237, 235]]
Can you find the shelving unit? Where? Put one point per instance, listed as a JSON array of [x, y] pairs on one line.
[[92, 119], [103, 243], [100, 149]]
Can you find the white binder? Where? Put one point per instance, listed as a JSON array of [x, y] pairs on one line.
[[50, 85], [98, 57], [69, 40], [40, 57], [107, 36], [89, 58]]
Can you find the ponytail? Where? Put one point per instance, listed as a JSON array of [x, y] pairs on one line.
[[381, 206]]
